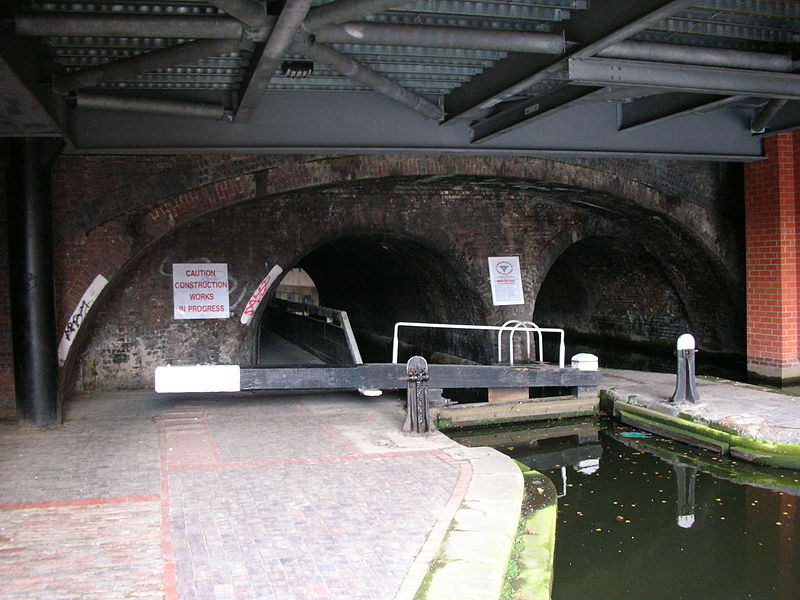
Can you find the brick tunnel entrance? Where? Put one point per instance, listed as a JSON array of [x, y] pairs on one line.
[[382, 278], [616, 299]]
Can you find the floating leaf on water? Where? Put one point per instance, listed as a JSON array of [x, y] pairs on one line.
[[619, 518]]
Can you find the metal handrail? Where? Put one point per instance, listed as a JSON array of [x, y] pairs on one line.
[[515, 324], [396, 338]]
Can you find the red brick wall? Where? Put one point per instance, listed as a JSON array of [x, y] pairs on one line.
[[771, 202]]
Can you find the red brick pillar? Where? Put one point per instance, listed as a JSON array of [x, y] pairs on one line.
[[771, 216]]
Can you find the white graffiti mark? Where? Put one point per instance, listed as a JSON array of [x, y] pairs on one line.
[[79, 316], [258, 295]]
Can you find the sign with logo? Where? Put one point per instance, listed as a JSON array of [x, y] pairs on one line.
[[506, 280], [200, 291]]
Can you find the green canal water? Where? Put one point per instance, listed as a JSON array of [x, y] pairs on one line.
[[645, 518]]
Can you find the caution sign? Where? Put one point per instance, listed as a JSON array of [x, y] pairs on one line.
[[506, 280], [200, 291]]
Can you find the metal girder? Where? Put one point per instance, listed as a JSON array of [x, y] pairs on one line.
[[393, 34], [659, 107], [696, 55], [251, 13], [129, 26], [690, 78], [767, 113], [368, 122], [785, 119], [528, 111], [144, 63], [604, 24], [281, 37], [151, 105], [366, 76], [22, 112], [342, 11]]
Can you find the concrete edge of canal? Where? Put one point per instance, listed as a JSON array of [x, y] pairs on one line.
[[471, 553], [716, 434], [491, 546]]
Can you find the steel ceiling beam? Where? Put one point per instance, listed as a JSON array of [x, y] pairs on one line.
[[528, 111], [129, 26], [767, 114], [123, 70], [151, 106], [786, 119], [366, 76], [606, 23], [281, 37], [251, 14], [687, 78], [392, 34], [654, 109], [342, 11], [697, 55]]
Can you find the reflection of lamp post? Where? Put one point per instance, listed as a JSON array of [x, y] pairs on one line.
[[686, 482]]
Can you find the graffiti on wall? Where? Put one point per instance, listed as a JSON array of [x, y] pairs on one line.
[[261, 291], [79, 316]]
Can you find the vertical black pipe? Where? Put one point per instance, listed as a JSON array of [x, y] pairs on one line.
[[31, 286]]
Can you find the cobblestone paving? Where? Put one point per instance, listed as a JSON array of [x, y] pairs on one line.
[[140, 496]]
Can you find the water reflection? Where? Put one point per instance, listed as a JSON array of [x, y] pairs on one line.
[[643, 517]]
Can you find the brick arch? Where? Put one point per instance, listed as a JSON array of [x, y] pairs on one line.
[[114, 246]]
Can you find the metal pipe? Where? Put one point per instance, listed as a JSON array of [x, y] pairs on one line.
[[766, 115], [31, 287], [358, 72], [342, 11], [694, 55], [129, 26], [282, 36], [151, 105], [130, 67], [392, 34], [252, 14]]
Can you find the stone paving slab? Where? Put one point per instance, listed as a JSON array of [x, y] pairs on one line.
[[756, 412], [250, 496]]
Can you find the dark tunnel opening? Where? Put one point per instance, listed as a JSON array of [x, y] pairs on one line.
[[380, 279], [614, 299]]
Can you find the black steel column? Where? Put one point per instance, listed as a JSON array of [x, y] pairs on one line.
[[31, 285]]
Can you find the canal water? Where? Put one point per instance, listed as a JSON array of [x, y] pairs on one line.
[[645, 518]]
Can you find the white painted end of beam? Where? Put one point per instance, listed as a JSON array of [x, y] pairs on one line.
[[197, 378]]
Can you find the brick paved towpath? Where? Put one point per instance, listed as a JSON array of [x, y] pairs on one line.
[[285, 497]]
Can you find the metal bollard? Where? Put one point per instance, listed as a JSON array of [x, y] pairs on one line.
[[685, 388], [418, 419]]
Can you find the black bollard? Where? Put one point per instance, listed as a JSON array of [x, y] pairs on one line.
[[418, 419], [685, 388]]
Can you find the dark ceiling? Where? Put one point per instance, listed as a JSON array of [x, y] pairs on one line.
[[647, 78]]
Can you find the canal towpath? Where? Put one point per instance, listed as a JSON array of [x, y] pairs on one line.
[[750, 422], [260, 497]]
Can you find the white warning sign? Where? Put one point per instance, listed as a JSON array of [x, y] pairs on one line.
[[200, 291], [506, 280]]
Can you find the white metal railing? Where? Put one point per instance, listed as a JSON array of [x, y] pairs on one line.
[[519, 326], [514, 326]]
